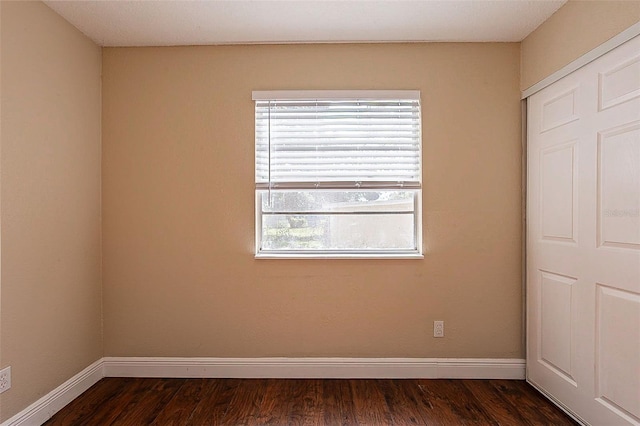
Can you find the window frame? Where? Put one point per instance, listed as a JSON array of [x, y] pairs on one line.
[[352, 95]]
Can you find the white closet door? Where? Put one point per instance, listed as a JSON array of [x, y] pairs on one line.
[[583, 239]]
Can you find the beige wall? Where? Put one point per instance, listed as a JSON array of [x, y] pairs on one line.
[[179, 274], [575, 29], [51, 276]]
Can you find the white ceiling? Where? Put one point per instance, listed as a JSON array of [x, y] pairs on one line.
[[180, 22]]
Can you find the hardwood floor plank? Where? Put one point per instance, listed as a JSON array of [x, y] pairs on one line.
[[462, 402], [338, 408], [531, 404], [80, 410], [551, 411], [244, 407], [179, 410], [501, 410], [369, 403], [313, 406], [273, 403], [213, 406], [145, 406], [445, 405], [291, 402], [403, 405], [200, 402], [434, 409], [111, 409]]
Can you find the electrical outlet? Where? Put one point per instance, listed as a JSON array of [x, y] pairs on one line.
[[5, 379], [438, 329]]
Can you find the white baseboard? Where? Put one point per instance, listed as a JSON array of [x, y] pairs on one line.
[[278, 368], [326, 368], [44, 408]]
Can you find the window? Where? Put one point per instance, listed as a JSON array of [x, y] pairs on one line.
[[338, 174]]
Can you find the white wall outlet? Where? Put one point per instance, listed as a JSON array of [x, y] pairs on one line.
[[5, 379], [438, 329]]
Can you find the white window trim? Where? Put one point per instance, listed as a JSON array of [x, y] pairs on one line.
[[334, 95], [275, 95]]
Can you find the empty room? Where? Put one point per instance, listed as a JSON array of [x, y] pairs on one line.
[[341, 212]]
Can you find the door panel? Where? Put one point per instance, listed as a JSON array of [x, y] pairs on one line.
[[557, 196], [583, 239], [618, 354], [618, 182]]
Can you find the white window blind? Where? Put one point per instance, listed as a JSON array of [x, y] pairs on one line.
[[327, 143]]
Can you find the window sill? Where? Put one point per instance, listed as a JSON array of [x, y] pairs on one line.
[[339, 256]]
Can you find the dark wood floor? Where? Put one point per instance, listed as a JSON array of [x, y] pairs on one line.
[[120, 401]]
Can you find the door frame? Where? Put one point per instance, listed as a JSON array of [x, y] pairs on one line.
[[590, 56]]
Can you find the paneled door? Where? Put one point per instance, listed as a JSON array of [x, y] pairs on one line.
[[583, 239]]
